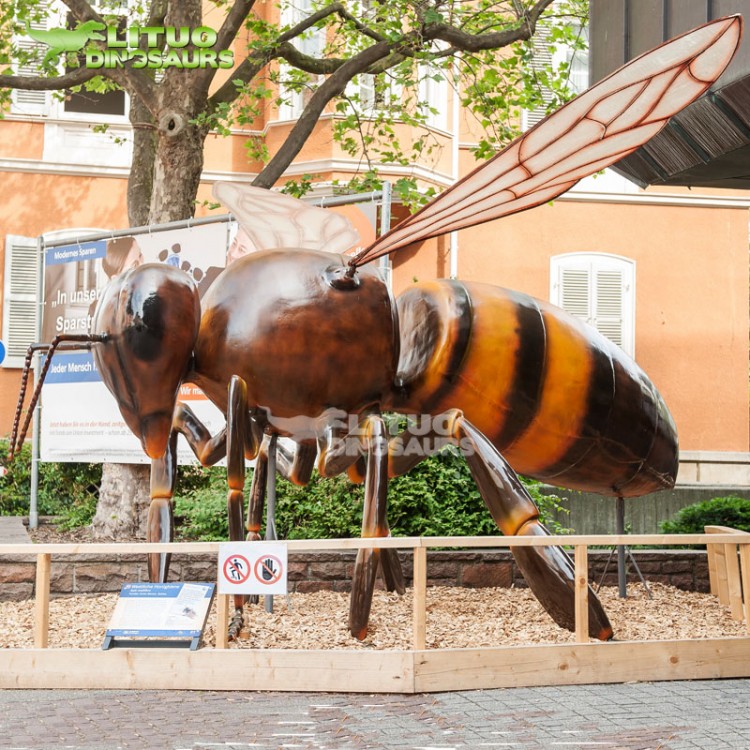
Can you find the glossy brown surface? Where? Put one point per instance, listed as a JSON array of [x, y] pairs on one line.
[[150, 317], [307, 350], [557, 399]]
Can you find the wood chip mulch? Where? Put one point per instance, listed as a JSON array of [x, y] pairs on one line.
[[456, 618]]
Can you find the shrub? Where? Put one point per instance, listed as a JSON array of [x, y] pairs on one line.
[[69, 490], [719, 511], [436, 498]]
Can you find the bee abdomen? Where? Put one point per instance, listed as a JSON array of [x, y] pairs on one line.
[[560, 402]]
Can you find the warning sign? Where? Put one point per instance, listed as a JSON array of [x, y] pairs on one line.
[[252, 568], [236, 569]]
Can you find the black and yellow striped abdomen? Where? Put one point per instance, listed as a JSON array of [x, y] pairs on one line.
[[557, 399]]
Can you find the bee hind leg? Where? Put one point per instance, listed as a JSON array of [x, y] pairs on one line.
[[547, 570]]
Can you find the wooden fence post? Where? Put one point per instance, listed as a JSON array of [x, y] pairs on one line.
[[420, 598], [41, 601], [222, 620], [582, 593]]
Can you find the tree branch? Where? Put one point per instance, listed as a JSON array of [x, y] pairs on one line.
[[330, 88], [467, 42], [254, 62], [226, 35], [38, 83]]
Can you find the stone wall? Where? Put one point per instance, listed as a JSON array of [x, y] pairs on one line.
[[83, 574]]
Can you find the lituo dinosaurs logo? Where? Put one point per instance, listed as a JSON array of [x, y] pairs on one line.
[[143, 46]]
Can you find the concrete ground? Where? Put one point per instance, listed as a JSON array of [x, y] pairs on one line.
[[708, 715]]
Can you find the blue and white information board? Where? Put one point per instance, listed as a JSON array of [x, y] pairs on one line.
[[160, 610]]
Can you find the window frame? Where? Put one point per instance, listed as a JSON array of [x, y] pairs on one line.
[[598, 262]]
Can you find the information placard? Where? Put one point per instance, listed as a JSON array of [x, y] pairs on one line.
[[252, 568], [160, 610]]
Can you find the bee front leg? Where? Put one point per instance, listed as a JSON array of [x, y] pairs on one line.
[[160, 526]]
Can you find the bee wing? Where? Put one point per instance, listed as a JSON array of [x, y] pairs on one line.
[[274, 220], [607, 122]]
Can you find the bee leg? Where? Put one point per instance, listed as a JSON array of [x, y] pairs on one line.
[[343, 453], [374, 524], [547, 570], [257, 499], [296, 466], [237, 437], [160, 526]]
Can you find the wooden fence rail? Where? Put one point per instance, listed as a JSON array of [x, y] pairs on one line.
[[729, 578], [399, 671], [729, 570]]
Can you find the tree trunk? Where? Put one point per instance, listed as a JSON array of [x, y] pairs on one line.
[[123, 502], [167, 166]]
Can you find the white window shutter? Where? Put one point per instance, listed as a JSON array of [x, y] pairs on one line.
[[433, 95], [20, 298], [32, 102], [311, 43], [575, 293], [600, 290], [608, 312]]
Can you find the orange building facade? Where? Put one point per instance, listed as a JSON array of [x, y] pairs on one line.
[[680, 257]]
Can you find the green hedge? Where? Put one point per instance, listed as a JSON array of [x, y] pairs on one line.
[[719, 511], [65, 489], [437, 498]]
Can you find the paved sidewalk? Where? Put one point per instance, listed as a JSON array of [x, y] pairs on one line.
[[708, 715], [12, 531]]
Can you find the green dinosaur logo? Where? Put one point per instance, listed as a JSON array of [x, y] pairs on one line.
[[139, 46], [61, 41]]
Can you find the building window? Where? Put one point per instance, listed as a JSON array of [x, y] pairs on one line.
[[31, 54], [294, 98], [600, 290], [433, 96]]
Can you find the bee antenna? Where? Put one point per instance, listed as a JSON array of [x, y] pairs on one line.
[[64, 342]]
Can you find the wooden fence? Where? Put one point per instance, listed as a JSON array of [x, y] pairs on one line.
[[415, 670]]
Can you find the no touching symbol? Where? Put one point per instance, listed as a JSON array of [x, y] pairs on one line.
[[236, 569], [268, 569]]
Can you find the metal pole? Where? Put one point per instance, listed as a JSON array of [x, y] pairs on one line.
[[146, 228], [622, 581], [455, 156], [36, 424], [271, 504]]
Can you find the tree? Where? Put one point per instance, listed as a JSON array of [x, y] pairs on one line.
[[396, 44]]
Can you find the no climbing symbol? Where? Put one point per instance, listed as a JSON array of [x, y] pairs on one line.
[[236, 569]]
